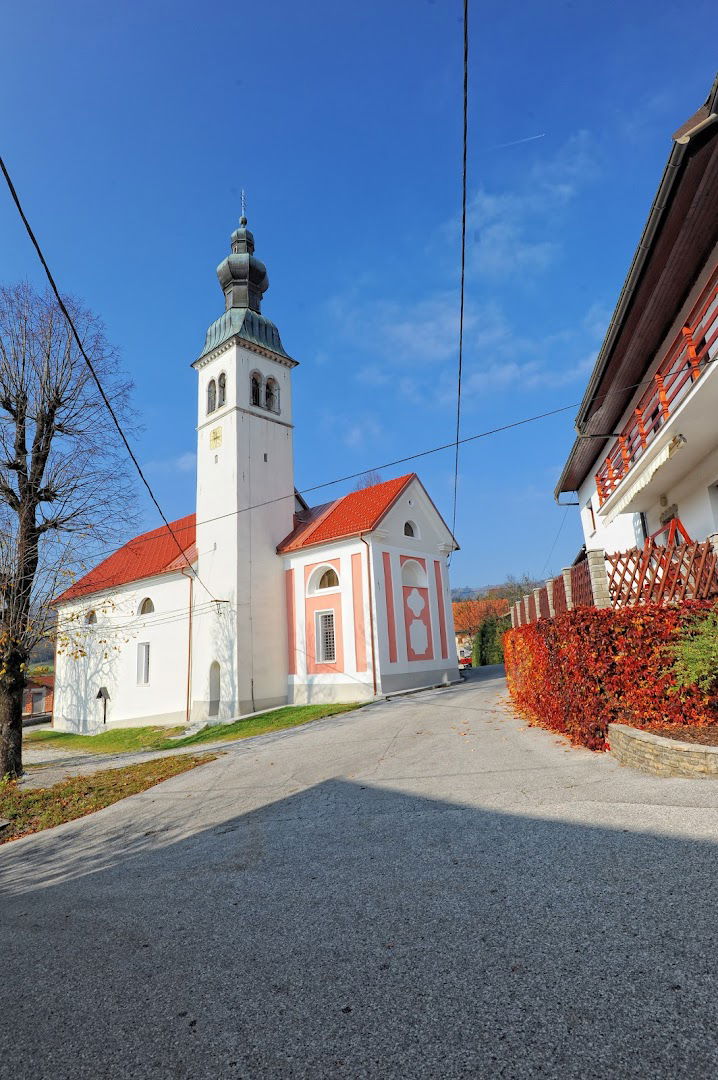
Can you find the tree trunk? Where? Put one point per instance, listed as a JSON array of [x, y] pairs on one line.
[[11, 689]]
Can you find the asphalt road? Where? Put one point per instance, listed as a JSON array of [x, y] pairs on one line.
[[423, 888]]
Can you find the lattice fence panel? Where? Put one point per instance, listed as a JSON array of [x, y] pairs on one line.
[[662, 575], [559, 595], [581, 590]]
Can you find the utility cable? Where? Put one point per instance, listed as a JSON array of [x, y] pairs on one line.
[[137, 540], [555, 539], [463, 265], [90, 365]]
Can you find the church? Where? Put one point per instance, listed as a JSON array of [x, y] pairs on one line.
[[257, 599]]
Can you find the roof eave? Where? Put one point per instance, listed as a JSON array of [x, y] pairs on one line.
[[706, 115], [638, 263], [58, 601]]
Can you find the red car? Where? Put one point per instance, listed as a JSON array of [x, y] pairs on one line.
[[465, 658]]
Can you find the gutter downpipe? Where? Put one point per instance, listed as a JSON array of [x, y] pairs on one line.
[[189, 646], [371, 612]]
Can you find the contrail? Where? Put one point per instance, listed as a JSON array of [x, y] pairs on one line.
[[517, 142]]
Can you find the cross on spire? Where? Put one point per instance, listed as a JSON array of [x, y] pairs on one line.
[[243, 219]]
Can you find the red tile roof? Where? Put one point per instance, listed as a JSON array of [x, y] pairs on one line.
[[145, 556], [360, 511], [46, 681]]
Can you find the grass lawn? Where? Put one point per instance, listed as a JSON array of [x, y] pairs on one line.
[[289, 716], [114, 741], [127, 740], [34, 809]]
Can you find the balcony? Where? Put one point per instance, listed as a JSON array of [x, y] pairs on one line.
[[672, 426]]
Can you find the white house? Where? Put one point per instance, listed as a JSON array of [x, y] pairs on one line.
[[646, 453], [257, 599]]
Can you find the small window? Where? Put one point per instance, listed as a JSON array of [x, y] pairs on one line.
[[409, 529], [256, 390], [328, 580], [146, 607], [326, 646], [211, 396], [271, 396], [222, 390], [143, 663], [91, 618]]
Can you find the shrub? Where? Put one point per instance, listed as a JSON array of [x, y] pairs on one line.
[[581, 671], [490, 639], [695, 653]]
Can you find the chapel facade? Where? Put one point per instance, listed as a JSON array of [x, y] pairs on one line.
[[257, 599]]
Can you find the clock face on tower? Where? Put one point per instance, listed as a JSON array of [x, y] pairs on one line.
[[215, 438]]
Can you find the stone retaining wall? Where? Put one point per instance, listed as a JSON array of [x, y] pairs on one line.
[[660, 756]]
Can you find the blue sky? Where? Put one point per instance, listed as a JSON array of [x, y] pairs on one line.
[[130, 130]]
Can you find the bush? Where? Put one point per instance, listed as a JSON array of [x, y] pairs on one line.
[[696, 653], [587, 668], [490, 639]]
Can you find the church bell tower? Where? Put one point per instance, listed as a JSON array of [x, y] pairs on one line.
[[245, 498]]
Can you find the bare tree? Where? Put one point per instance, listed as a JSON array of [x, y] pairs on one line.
[[64, 487], [368, 479], [513, 589]]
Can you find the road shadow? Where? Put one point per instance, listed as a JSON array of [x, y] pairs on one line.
[[352, 931]]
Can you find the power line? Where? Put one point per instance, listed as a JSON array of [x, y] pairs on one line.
[[90, 365], [555, 539], [463, 263], [390, 464], [342, 479]]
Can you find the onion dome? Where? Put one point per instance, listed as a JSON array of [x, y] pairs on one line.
[[244, 281], [242, 276]]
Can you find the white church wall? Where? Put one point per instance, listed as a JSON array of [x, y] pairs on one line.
[[110, 660]]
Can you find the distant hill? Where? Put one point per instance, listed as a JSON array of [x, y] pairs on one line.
[[475, 592], [43, 653]]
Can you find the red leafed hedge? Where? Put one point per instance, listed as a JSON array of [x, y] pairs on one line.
[[582, 670]]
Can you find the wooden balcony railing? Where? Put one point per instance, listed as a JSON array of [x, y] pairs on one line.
[[683, 365]]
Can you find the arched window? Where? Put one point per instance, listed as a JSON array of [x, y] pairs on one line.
[[146, 607], [256, 389], [271, 395], [211, 396], [222, 390], [409, 528], [214, 688], [322, 579], [328, 580], [91, 618]]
